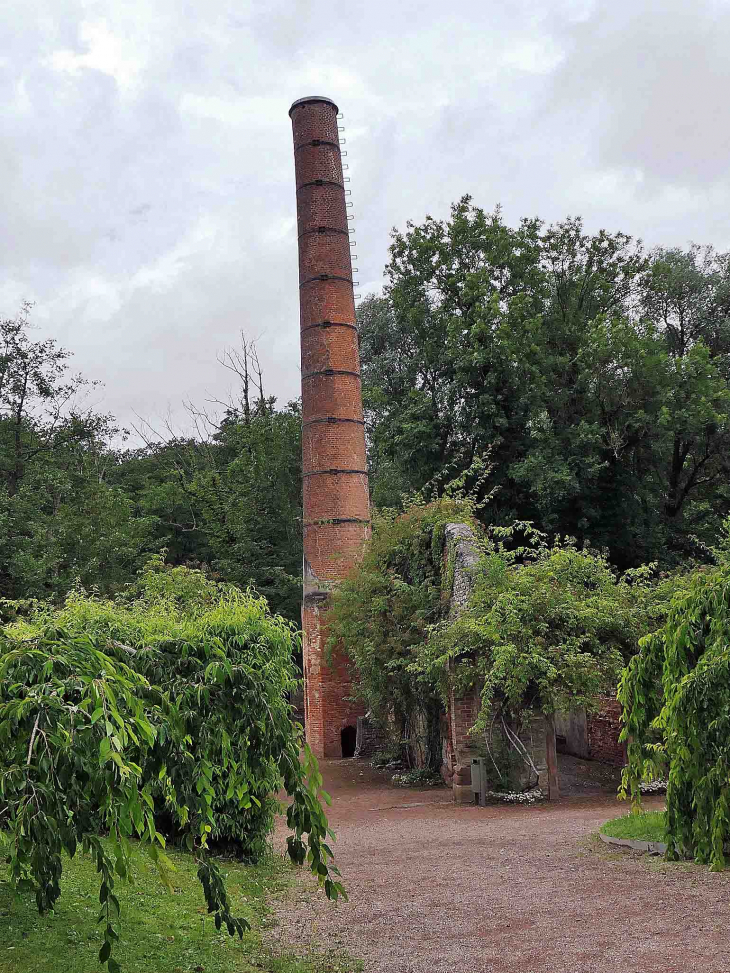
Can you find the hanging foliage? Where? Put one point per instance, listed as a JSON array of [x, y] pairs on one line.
[[676, 699], [167, 715]]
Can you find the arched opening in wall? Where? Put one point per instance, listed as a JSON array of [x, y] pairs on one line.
[[348, 738]]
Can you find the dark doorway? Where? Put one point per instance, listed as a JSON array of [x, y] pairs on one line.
[[348, 739]]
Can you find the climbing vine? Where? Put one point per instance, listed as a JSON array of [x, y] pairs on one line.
[[383, 614], [547, 627]]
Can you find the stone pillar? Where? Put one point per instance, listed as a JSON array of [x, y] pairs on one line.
[[335, 481], [461, 555], [463, 713]]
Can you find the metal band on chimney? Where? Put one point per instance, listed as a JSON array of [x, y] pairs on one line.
[[330, 371], [332, 420], [324, 229], [313, 100], [336, 520], [332, 472], [321, 182], [329, 324], [316, 143], [318, 277]]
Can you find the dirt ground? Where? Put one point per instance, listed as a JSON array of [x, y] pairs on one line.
[[434, 887]]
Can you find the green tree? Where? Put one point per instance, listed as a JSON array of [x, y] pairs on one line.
[[59, 519], [597, 375], [677, 720], [230, 497], [252, 508]]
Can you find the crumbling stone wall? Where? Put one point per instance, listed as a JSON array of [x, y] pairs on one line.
[[571, 733], [370, 737], [460, 556]]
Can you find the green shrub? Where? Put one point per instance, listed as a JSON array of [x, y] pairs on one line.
[[168, 711]]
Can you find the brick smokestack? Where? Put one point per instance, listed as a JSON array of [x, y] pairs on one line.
[[336, 499]]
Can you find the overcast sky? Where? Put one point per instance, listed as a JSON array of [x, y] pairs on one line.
[[147, 194]]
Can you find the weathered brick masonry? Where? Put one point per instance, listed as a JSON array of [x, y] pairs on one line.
[[593, 735], [604, 727], [335, 492]]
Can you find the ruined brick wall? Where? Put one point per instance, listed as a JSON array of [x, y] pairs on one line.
[[460, 747], [603, 728], [593, 736], [335, 484]]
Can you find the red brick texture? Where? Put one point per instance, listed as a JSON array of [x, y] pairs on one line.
[[462, 715], [327, 686], [603, 728], [336, 498]]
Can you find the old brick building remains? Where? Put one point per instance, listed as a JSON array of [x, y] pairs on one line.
[[335, 482], [336, 499]]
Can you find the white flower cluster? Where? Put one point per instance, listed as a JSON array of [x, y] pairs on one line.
[[417, 778], [653, 786], [514, 797]]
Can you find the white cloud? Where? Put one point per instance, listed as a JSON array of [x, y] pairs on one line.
[[103, 52]]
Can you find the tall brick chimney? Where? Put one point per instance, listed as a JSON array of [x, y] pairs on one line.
[[336, 499]]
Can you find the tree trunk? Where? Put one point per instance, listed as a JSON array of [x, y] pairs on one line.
[[434, 757], [551, 754]]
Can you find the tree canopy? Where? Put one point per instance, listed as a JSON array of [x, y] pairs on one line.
[[77, 505], [596, 373]]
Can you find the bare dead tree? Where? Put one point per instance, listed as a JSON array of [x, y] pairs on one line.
[[245, 364]]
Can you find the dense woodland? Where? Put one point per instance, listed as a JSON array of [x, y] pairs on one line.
[[78, 509], [593, 376]]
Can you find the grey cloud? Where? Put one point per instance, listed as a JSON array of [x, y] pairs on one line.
[[653, 79], [148, 201]]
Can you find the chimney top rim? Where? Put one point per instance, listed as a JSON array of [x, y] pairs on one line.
[[311, 98]]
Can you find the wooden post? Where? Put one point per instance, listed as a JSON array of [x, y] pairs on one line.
[[551, 754]]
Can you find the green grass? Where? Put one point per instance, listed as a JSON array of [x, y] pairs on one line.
[[646, 826], [162, 932]]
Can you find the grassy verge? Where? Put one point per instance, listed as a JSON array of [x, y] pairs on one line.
[[162, 932], [647, 826]]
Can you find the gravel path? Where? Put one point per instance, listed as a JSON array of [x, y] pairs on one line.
[[434, 887]]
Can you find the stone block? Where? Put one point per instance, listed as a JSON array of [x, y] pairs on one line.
[[463, 794]]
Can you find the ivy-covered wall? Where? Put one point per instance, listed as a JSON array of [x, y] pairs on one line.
[[460, 636]]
